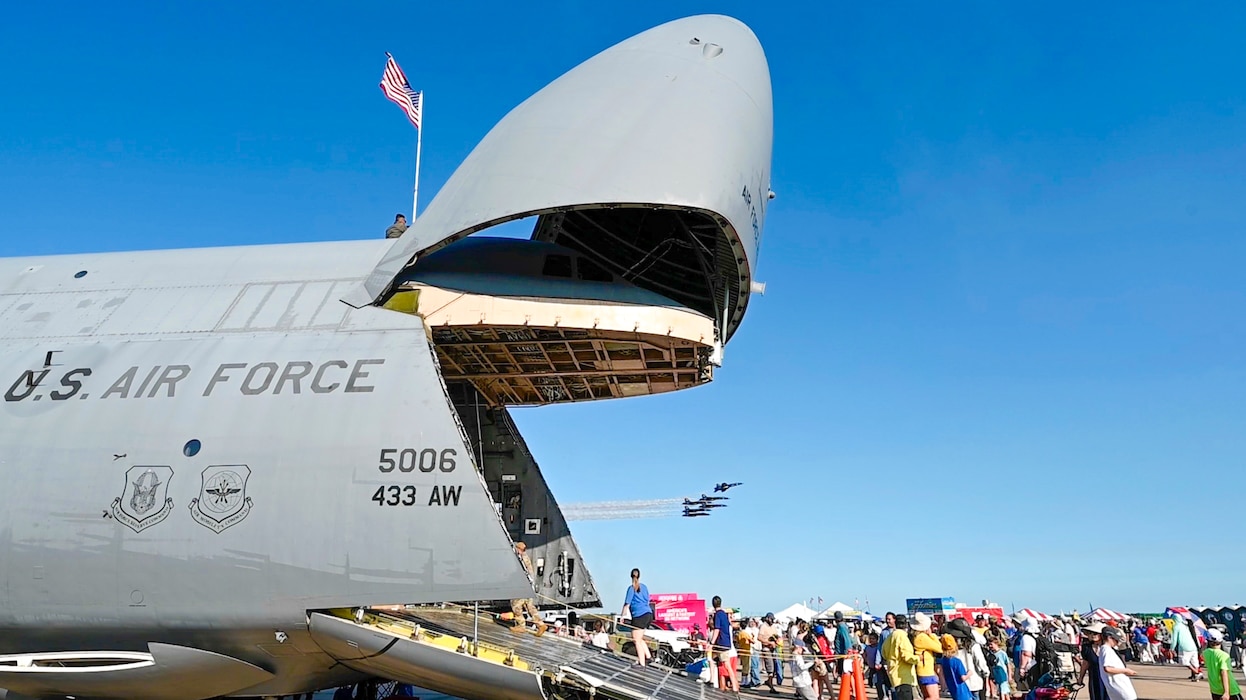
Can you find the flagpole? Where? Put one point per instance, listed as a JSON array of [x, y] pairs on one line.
[[419, 137]]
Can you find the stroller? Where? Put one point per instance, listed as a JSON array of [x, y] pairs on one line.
[[1056, 685]]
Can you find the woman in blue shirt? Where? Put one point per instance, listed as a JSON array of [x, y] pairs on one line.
[[636, 603]]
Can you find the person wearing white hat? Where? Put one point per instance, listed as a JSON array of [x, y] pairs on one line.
[[1112, 670], [1219, 668], [927, 647]]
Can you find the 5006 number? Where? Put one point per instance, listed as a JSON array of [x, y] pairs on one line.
[[409, 459]]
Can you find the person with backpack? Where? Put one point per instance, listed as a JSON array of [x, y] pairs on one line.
[[999, 669], [1027, 649], [1184, 646]]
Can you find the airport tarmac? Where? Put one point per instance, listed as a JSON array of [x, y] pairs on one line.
[[1152, 683]]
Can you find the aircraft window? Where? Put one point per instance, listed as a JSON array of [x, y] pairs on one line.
[[80, 274], [593, 272], [192, 448], [557, 266]]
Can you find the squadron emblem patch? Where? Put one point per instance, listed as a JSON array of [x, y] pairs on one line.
[[222, 501], [145, 500]]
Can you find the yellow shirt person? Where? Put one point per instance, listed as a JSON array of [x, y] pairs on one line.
[[900, 658]]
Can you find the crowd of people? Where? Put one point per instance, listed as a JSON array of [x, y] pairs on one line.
[[919, 658]]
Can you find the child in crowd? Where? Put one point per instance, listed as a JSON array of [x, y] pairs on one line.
[[999, 669]]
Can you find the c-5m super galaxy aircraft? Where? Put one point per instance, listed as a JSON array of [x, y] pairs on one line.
[[217, 461]]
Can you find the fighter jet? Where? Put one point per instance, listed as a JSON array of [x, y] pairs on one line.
[[707, 499], [237, 476], [720, 488], [695, 513], [713, 505]]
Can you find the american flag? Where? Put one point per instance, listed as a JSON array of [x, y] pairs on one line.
[[395, 86]]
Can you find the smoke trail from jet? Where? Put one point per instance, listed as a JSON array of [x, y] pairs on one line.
[[623, 510]]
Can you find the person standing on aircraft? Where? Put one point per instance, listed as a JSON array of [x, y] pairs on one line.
[[399, 227], [636, 603], [520, 605]]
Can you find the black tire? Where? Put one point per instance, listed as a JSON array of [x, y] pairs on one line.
[[667, 658], [629, 648]]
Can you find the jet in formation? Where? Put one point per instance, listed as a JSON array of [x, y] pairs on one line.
[[694, 508], [218, 461], [720, 488]]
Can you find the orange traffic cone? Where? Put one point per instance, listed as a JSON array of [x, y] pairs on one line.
[[845, 686], [858, 676]]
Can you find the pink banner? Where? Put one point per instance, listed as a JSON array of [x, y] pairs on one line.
[[679, 610], [672, 597]]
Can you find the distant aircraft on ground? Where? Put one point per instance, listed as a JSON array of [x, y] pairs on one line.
[[724, 486]]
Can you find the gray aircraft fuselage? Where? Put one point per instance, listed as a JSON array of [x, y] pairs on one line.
[[203, 448], [329, 471]]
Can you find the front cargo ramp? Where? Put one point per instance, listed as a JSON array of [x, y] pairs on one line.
[[571, 669], [434, 648]]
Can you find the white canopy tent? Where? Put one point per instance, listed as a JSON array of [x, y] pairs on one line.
[[799, 610], [837, 607]]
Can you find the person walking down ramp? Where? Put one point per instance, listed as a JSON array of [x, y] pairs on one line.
[[636, 603], [521, 605]]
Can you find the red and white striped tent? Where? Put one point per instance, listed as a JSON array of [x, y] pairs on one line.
[[1105, 615], [1041, 617]]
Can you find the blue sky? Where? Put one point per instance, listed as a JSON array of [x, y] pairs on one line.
[[1000, 355]]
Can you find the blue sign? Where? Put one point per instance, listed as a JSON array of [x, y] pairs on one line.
[[931, 606]]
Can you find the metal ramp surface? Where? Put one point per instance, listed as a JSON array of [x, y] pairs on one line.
[[571, 668]]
